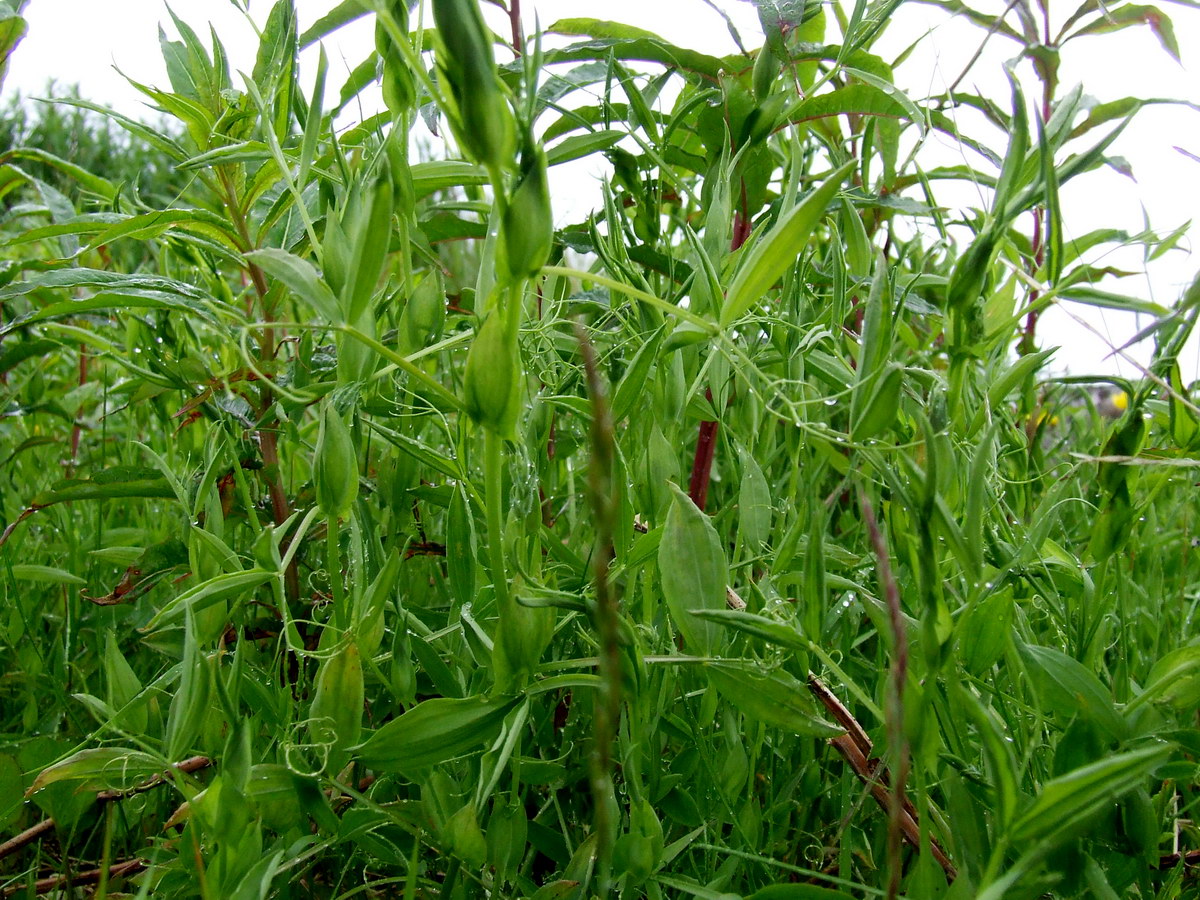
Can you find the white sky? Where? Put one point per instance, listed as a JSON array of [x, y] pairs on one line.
[[85, 41]]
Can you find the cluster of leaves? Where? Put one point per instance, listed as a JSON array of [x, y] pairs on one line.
[[383, 562], [35, 135]]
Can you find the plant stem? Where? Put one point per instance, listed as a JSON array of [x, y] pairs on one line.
[[606, 615], [493, 479], [333, 563]]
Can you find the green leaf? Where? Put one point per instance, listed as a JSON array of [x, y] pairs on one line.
[[102, 769], [434, 732], [798, 892], [693, 571], [1067, 688], [12, 29], [1066, 805], [343, 14], [87, 180], [627, 42], [439, 175], [219, 589], [779, 248], [756, 626], [1173, 680], [301, 277], [754, 504], [119, 482], [581, 145], [44, 574], [773, 698], [1091, 296], [1001, 765], [1133, 14], [110, 290]]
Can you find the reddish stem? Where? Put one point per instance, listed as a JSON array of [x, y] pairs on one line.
[[514, 20], [706, 445], [706, 440]]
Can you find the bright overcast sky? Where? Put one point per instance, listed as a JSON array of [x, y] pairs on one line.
[[85, 41]]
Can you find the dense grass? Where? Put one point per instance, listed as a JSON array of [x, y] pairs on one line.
[[371, 532]]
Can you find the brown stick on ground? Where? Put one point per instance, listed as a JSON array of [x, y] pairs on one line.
[[1171, 860], [35, 832], [855, 747], [91, 876]]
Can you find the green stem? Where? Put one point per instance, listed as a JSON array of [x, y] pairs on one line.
[[105, 853], [333, 562], [636, 293], [493, 479]]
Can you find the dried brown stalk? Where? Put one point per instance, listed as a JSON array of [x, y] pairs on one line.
[[35, 832], [855, 747], [91, 876]]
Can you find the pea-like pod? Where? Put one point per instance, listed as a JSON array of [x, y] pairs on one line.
[[491, 384], [522, 636], [481, 120], [464, 838], [638, 852], [877, 404], [399, 89], [424, 315], [335, 464], [335, 715], [527, 228], [766, 68], [507, 838]]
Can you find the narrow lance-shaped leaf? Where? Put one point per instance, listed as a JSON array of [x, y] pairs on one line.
[[773, 698], [694, 573], [433, 732], [1066, 804], [770, 257]]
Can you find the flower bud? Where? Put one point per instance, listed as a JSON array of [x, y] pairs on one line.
[[527, 229], [335, 464], [491, 384]]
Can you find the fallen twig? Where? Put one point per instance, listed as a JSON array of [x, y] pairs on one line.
[[91, 876], [1188, 858], [35, 832], [855, 747]]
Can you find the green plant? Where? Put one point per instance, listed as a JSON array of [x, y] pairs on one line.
[[410, 543]]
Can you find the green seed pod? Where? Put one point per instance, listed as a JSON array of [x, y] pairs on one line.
[[527, 229], [335, 716], [766, 67], [507, 837], [876, 403], [464, 838], [638, 853], [522, 636], [482, 121], [424, 314], [492, 382], [335, 464], [399, 89], [402, 674]]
